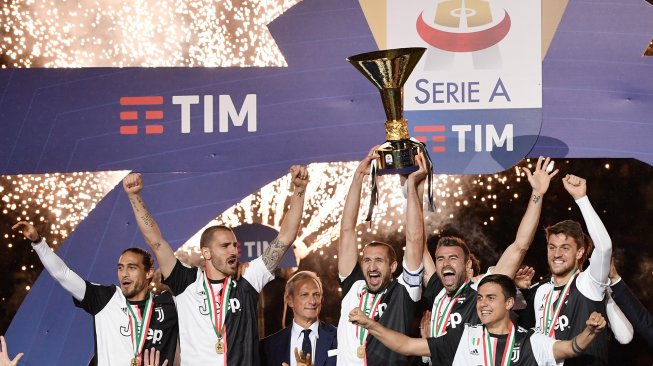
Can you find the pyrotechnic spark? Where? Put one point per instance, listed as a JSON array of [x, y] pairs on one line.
[[55, 203], [93, 33]]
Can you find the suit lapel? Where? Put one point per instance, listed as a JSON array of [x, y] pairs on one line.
[[285, 344], [323, 343]]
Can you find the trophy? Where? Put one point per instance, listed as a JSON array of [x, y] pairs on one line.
[[389, 70]]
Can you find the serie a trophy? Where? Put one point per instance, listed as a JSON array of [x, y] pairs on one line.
[[388, 70]]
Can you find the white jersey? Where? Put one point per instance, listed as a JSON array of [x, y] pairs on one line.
[[396, 310], [196, 331], [464, 347]]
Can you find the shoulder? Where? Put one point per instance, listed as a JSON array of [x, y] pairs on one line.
[[275, 338], [327, 328]]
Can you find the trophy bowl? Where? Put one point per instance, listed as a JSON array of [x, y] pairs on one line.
[[388, 70]]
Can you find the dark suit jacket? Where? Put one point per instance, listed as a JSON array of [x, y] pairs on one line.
[[275, 348]]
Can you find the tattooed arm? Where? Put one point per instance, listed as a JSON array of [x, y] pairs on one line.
[[133, 184], [290, 224], [513, 255]]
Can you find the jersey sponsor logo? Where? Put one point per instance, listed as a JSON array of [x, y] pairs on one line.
[[125, 329], [154, 335], [382, 307], [474, 352], [563, 323], [454, 320], [234, 306]]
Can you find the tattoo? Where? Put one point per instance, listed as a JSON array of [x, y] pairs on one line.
[[536, 199], [147, 219], [134, 204], [300, 193], [156, 245], [575, 347], [273, 253]]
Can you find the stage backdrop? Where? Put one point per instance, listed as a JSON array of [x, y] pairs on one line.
[[207, 137]]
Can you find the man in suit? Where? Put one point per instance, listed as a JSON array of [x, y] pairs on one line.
[[307, 334]]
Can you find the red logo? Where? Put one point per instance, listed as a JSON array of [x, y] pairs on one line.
[[140, 107], [434, 138], [463, 26]]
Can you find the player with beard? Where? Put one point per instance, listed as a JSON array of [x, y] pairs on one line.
[[209, 335], [572, 294], [117, 313], [451, 293], [497, 341], [369, 285]]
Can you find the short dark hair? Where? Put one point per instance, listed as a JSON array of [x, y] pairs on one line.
[[454, 241], [574, 230], [391, 251], [507, 284], [299, 276], [476, 264], [207, 235], [146, 257]]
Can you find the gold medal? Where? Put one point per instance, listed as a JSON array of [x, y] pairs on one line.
[[134, 362], [219, 347], [360, 352]]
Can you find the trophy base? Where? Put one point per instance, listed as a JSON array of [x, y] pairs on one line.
[[400, 171], [398, 157]]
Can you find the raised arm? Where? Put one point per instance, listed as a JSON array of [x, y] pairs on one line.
[[68, 279], [599, 267], [348, 245], [396, 341], [292, 219], [563, 350], [165, 256], [513, 255], [415, 242]]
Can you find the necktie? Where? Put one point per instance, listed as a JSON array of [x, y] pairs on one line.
[[306, 343]]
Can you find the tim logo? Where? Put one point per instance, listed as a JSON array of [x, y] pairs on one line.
[[146, 113], [462, 25], [480, 138]]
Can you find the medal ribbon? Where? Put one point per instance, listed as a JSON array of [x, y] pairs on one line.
[[550, 317], [489, 348], [439, 319], [218, 320], [139, 325], [361, 333]]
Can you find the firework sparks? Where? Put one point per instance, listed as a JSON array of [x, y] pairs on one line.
[[58, 202], [92, 33]]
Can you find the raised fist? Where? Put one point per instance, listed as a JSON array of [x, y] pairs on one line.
[[132, 183], [576, 186], [299, 176]]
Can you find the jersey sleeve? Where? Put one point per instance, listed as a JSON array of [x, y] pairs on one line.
[[180, 278], [593, 280], [257, 274], [95, 298], [542, 347], [347, 282], [58, 269], [443, 348]]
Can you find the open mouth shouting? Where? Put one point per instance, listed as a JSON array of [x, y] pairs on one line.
[[448, 276], [374, 279]]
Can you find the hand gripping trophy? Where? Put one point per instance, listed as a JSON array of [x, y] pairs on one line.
[[389, 70]]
